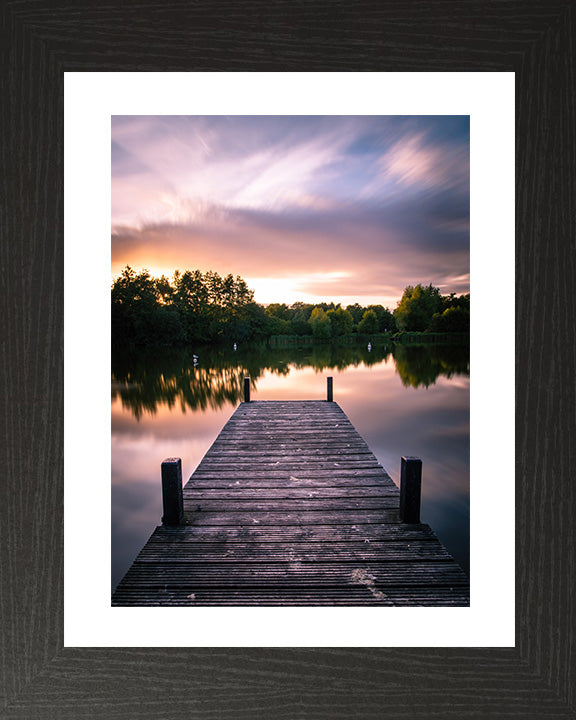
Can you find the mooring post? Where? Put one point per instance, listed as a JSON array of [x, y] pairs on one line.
[[246, 389], [330, 390], [410, 488], [172, 492]]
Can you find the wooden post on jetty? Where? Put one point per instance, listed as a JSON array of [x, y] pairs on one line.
[[172, 492], [330, 387], [410, 488], [247, 389]]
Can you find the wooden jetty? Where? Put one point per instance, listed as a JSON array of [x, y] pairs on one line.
[[290, 507]]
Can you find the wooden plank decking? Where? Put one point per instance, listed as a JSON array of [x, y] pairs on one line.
[[290, 507]]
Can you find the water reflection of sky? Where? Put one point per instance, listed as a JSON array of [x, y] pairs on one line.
[[395, 420]]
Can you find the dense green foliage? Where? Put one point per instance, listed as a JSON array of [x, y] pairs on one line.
[[202, 308], [193, 307], [423, 309]]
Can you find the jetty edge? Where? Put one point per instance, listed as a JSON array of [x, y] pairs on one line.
[[289, 506]]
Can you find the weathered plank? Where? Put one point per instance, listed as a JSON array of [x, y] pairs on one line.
[[280, 479], [206, 503], [290, 507], [291, 533], [334, 476], [235, 493], [257, 551], [308, 517], [289, 464]]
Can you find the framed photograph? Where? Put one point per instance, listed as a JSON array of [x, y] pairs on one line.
[[393, 188], [59, 658]]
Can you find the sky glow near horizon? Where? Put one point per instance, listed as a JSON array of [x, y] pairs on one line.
[[309, 208]]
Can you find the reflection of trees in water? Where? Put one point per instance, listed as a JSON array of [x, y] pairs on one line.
[[338, 357], [146, 380], [420, 365]]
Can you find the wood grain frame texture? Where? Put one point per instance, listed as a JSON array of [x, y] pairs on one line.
[[40, 40]]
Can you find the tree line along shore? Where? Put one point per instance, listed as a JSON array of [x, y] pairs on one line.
[[203, 308]]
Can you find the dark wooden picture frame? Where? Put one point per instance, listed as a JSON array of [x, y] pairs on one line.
[[39, 41]]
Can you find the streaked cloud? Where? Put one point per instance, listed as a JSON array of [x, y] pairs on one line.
[[343, 208]]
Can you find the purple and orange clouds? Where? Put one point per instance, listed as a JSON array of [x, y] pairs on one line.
[[304, 208]]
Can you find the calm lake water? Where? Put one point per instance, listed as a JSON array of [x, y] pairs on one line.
[[403, 400]]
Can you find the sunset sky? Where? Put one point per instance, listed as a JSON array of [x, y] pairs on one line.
[[350, 209]]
